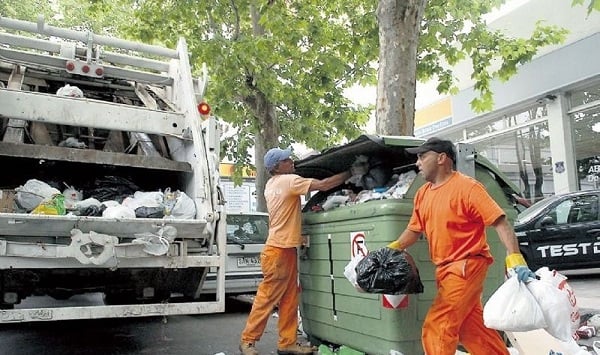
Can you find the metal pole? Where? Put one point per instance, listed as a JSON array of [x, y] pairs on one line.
[[42, 28]]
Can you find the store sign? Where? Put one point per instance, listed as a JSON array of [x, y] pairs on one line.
[[593, 173]]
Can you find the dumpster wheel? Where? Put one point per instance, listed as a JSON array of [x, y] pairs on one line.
[[313, 340]]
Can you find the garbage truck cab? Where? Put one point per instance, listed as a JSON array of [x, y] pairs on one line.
[[111, 183], [366, 215]]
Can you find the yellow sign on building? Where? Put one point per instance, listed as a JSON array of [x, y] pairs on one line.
[[226, 170]]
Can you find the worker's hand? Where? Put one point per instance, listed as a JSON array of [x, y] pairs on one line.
[[517, 264], [395, 245]]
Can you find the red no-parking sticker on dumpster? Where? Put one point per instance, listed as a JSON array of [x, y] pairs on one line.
[[358, 244]]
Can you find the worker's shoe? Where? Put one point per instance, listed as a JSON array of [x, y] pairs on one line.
[[297, 349], [248, 349]]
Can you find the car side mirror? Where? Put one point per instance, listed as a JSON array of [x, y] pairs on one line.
[[547, 221]]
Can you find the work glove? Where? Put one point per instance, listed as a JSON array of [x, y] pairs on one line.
[[516, 264], [395, 245]]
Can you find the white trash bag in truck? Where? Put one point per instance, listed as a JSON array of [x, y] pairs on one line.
[[116, 210], [157, 244], [30, 195], [69, 91], [178, 205]]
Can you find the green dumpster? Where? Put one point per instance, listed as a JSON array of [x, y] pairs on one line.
[[332, 310]]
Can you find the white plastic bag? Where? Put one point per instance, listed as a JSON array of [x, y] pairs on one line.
[[83, 204], [558, 303], [70, 91], [513, 308], [30, 195], [350, 270], [118, 211], [184, 208], [149, 199]]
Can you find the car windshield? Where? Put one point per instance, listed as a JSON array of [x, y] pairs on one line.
[[247, 228], [532, 211]]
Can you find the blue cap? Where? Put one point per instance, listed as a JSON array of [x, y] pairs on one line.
[[274, 156]]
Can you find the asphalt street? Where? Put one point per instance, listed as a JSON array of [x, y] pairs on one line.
[[179, 335]]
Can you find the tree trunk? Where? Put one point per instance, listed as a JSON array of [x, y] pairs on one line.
[[264, 112], [520, 150], [399, 28], [267, 137], [536, 160]]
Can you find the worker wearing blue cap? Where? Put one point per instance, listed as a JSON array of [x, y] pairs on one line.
[[279, 287]]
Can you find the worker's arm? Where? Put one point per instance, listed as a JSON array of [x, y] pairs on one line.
[[507, 235], [330, 182], [406, 239], [515, 259]]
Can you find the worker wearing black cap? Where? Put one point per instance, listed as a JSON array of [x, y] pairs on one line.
[[453, 210]]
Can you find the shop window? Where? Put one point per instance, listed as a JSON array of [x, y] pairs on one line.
[[585, 120], [524, 156]]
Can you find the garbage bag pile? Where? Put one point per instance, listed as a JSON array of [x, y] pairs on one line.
[[111, 197], [388, 271], [373, 181]]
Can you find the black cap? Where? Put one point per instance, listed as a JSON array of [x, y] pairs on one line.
[[437, 145]]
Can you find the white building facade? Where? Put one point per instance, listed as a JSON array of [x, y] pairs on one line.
[[544, 130]]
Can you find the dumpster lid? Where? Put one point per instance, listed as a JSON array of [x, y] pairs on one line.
[[392, 149], [338, 159]]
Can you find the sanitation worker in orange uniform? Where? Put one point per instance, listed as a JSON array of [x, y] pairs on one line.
[[278, 258], [453, 210]]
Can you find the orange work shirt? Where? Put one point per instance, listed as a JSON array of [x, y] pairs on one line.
[[282, 194], [453, 217]]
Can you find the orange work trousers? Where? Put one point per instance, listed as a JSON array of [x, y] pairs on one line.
[[456, 314], [279, 287]]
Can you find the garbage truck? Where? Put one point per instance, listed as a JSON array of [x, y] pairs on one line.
[[110, 203]]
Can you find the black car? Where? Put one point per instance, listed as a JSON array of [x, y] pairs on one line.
[[561, 232]]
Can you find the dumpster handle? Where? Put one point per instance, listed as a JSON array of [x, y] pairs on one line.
[[330, 251]]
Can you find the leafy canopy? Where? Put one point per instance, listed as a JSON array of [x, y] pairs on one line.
[[299, 55]]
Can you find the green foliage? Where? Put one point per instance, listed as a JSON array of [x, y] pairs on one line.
[[593, 5], [309, 53], [105, 18], [301, 56], [27, 10], [455, 30]]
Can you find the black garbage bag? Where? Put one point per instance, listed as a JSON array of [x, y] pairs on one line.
[[111, 188], [388, 271], [92, 211], [150, 212]]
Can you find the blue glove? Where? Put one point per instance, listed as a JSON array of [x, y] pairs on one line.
[[523, 273], [517, 264]]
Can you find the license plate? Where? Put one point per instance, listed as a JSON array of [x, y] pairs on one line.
[[248, 261]]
